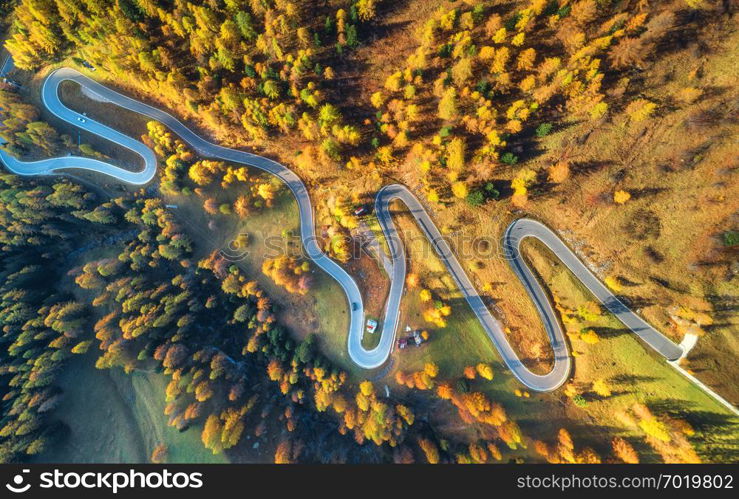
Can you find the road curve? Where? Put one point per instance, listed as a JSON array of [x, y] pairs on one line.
[[365, 358], [492, 326], [50, 99], [524, 228]]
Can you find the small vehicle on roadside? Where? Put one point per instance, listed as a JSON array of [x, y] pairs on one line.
[[361, 210], [415, 339], [81, 120], [371, 326]]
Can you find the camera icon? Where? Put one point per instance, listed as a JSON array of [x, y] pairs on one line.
[[17, 486]]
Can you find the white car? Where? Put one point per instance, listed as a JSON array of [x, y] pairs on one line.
[[81, 120]]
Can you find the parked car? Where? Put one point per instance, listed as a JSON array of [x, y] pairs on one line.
[[371, 326], [414, 339]]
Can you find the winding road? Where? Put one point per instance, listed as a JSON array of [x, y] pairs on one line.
[[365, 358]]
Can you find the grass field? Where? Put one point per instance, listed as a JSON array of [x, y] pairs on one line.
[[118, 418], [634, 373], [322, 311]]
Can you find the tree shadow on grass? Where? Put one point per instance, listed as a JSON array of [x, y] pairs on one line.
[[701, 420], [610, 332], [631, 379], [586, 168], [667, 284], [635, 302], [646, 192]]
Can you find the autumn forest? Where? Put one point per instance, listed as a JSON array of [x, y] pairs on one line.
[[611, 121]]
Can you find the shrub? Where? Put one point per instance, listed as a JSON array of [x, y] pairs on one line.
[[509, 158], [731, 238], [491, 191], [475, 198], [580, 401], [620, 197], [543, 129]]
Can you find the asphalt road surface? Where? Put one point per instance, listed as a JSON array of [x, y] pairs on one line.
[[515, 233], [376, 357]]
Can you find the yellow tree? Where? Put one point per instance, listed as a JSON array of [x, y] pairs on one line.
[[444, 391], [431, 369], [624, 451], [412, 280], [283, 453], [640, 109], [459, 189], [462, 71], [559, 172], [211, 435], [526, 59], [455, 154], [430, 450], [621, 196], [485, 370], [366, 9], [601, 388], [242, 206], [448, 105]]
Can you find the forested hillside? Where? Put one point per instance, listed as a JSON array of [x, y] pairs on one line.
[[260, 65], [41, 325], [204, 324]]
